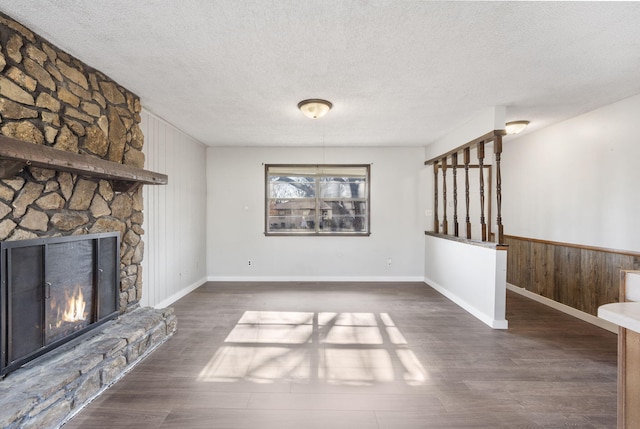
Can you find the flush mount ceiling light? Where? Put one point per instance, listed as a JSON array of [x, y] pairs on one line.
[[314, 108], [514, 127]]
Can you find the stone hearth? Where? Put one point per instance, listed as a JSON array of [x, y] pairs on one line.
[[51, 389]]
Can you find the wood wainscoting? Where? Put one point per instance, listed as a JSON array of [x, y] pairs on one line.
[[582, 277]]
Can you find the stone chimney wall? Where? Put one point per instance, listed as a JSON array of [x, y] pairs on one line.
[[48, 97]]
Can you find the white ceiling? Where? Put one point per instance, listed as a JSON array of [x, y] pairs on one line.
[[399, 73]]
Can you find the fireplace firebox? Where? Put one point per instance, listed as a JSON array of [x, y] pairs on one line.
[[54, 290]]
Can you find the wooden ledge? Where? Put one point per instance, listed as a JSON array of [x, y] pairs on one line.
[[487, 244], [489, 137], [17, 154]]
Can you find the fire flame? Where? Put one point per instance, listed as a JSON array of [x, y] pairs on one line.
[[74, 310]]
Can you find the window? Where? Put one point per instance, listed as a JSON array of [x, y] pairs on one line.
[[317, 200]]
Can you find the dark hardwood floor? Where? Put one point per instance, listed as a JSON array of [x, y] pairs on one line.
[[362, 355]]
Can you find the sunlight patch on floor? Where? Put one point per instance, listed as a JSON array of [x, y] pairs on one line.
[[336, 348]]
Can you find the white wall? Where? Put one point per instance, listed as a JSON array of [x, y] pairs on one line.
[[236, 196], [485, 121], [474, 277], [174, 215], [577, 181]]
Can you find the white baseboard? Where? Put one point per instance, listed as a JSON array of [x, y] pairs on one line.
[[176, 296], [312, 279], [484, 318], [601, 323]]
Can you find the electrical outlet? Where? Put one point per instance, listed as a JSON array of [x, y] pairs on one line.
[[249, 262], [389, 262]]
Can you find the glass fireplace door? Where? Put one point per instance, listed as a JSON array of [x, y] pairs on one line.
[[68, 288], [25, 310]]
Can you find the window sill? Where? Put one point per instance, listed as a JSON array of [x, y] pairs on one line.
[[315, 234]]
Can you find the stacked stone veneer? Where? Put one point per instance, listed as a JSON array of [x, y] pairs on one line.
[[48, 97], [47, 392]]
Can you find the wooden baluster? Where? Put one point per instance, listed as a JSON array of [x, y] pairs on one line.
[[483, 225], [454, 163], [467, 160], [436, 223], [497, 150], [445, 226]]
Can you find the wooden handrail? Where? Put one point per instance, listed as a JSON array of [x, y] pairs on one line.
[[17, 154], [489, 137]]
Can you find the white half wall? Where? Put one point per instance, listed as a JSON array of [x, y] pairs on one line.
[[577, 181], [174, 215], [236, 198], [474, 277]]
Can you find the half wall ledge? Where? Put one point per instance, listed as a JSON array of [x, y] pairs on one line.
[[17, 154], [487, 244]]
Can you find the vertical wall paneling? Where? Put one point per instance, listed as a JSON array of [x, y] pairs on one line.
[[175, 214], [580, 277]]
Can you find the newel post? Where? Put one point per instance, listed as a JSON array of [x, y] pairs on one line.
[[436, 222], [497, 149]]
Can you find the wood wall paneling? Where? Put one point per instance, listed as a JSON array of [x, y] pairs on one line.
[[581, 277], [542, 269], [518, 266], [567, 266]]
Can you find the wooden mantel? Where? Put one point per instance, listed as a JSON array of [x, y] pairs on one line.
[[17, 154]]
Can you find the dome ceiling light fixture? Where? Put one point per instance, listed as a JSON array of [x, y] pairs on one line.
[[314, 108], [515, 127]]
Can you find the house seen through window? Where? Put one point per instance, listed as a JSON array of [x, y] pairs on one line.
[[317, 200]]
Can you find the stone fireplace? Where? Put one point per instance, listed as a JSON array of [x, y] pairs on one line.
[[71, 165], [56, 289]]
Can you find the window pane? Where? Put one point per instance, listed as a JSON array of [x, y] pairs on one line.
[[344, 216], [287, 215], [292, 187], [342, 187]]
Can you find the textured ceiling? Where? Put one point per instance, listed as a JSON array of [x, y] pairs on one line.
[[399, 73]]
